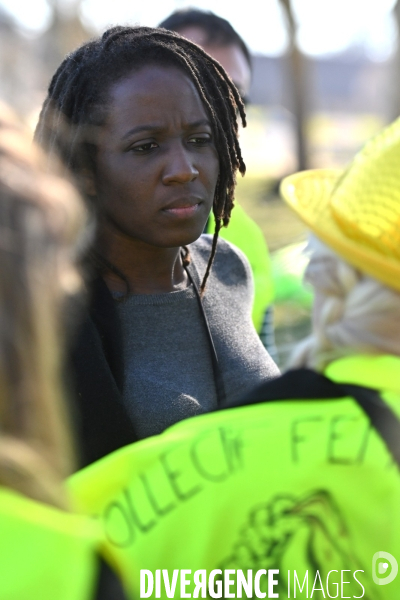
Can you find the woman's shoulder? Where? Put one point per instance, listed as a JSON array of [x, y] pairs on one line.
[[230, 264]]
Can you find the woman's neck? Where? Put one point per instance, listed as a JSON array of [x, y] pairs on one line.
[[147, 269]]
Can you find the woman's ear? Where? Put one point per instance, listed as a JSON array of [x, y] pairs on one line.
[[87, 182]]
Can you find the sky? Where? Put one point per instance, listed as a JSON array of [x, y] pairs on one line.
[[325, 26]]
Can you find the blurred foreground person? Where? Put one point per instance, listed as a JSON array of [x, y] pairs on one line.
[[45, 551], [218, 38], [294, 490]]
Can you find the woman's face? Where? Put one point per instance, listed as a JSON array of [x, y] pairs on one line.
[[157, 165]]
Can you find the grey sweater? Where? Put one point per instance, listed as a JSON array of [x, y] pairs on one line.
[[168, 366]]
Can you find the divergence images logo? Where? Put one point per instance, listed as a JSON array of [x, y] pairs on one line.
[[384, 568]]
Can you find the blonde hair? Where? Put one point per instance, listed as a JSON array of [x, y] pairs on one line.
[[352, 313], [41, 217]]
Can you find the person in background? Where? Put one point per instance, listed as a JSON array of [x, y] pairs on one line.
[[46, 551], [219, 39], [147, 122]]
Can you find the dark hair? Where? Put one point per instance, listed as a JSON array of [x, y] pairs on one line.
[[78, 96], [219, 31]]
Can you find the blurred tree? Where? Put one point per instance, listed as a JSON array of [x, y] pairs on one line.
[[298, 85], [10, 51], [28, 62], [395, 89], [19, 73], [65, 33]]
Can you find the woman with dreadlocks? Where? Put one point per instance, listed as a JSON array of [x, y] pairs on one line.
[[147, 121]]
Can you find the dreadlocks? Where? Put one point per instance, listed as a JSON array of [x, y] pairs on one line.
[[78, 95]]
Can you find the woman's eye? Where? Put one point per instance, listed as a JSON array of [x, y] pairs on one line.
[[144, 147], [199, 140]]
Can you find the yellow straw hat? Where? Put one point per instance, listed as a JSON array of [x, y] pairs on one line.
[[357, 211]]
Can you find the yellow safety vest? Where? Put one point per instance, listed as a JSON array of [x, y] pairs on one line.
[[305, 487], [244, 233], [45, 553]]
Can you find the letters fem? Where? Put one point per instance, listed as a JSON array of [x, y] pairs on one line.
[[216, 584]]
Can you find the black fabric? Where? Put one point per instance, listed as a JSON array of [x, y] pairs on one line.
[[380, 414], [105, 318], [108, 585], [305, 384], [297, 384], [96, 375]]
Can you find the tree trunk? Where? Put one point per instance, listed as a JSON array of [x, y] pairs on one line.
[[395, 83], [298, 86]]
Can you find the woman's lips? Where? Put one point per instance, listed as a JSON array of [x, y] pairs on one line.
[[183, 211]]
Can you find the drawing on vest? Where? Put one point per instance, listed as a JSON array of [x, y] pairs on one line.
[[296, 533]]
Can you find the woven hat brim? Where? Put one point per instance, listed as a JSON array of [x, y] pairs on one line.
[[308, 193]]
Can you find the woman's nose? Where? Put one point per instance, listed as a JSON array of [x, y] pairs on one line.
[[179, 167]]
